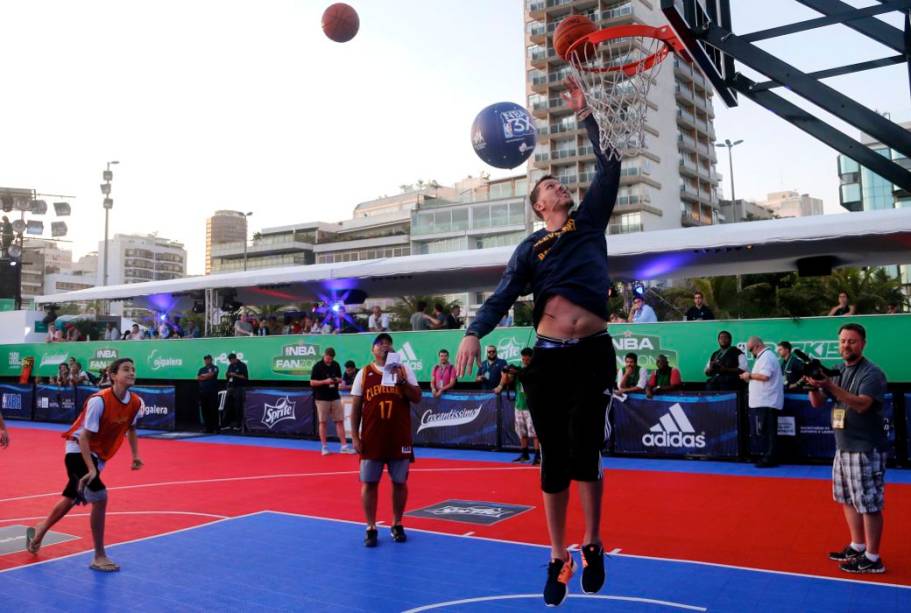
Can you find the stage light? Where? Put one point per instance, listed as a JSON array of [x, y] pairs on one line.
[[337, 307], [162, 317], [638, 290]]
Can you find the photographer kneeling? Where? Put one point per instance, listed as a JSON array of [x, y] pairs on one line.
[[859, 468]]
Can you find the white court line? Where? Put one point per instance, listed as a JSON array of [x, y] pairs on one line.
[[469, 533], [622, 555], [451, 603], [144, 538], [614, 551], [276, 476], [4, 519]]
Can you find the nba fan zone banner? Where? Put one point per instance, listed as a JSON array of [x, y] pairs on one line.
[[704, 425], [55, 403], [687, 346], [16, 401], [464, 420], [279, 411], [815, 437], [160, 410]]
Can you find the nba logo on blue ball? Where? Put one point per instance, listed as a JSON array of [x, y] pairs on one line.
[[503, 135]]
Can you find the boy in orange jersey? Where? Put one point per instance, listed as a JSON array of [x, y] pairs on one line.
[[92, 440]]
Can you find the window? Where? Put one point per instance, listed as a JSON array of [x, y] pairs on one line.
[[846, 164], [459, 219]]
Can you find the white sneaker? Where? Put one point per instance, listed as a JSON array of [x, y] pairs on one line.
[[347, 449], [326, 450]]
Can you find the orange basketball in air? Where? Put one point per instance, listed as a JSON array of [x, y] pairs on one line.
[[340, 22], [569, 31]]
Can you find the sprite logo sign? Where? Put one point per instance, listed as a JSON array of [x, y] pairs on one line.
[[297, 359], [102, 358], [510, 350], [647, 349]]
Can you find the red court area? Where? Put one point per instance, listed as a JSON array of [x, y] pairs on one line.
[[782, 524]]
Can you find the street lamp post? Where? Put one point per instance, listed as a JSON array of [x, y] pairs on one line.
[[245, 239], [108, 204], [727, 143]]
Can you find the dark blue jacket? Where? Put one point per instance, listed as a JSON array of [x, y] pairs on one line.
[[569, 262]]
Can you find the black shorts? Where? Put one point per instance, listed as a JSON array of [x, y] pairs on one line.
[[76, 470], [565, 386]]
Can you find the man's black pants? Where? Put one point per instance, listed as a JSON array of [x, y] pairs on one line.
[[766, 421], [208, 401]]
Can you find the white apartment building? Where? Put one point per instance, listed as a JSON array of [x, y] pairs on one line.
[[135, 258], [792, 204]]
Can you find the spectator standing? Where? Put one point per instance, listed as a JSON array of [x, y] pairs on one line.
[[491, 371], [766, 397], [325, 379], [243, 327], [177, 330], [443, 376], [385, 439], [525, 428], [135, 334], [208, 393], [791, 366], [112, 333], [276, 328], [633, 378], [892, 308], [378, 321], [725, 365], [453, 321], [842, 308], [237, 376], [859, 467], [419, 319], [73, 334], [664, 380], [439, 317], [164, 329], [192, 330], [641, 313], [54, 333], [348, 376], [699, 311]]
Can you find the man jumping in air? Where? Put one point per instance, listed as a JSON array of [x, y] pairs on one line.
[[565, 266]]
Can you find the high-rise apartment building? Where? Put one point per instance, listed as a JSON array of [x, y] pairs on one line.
[[224, 227], [135, 258], [792, 204], [40, 258], [672, 182]]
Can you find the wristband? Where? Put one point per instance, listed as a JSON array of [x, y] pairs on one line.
[[471, 333]]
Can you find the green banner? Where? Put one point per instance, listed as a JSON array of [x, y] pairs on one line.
[[290, 358]]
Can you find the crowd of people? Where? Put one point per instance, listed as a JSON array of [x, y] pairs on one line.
[[72, 373]]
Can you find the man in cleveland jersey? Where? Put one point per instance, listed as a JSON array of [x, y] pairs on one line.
[[385, 439], [91, 441]]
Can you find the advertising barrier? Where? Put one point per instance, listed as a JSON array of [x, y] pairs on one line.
[[908, 425], [55, 403], [508, 437], [160, 410], [16, 400], [687, 346], [462, 420], [287, 411], [815, 438], [701, 425]]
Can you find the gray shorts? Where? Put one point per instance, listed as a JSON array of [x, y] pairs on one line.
[[372, 470], [857, 479]]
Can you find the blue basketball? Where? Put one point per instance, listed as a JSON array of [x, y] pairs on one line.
[[503, 135]]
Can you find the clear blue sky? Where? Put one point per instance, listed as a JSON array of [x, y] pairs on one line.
[[246, 105]]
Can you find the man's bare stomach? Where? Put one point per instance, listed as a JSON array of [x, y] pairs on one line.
[[564, 319]]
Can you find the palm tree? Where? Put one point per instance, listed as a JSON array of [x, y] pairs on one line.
[[401, 312]]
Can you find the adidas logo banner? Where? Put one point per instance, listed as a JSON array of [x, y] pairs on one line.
[[465, 420], [279, 411], [701, 425]]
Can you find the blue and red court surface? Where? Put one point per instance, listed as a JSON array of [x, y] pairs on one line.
[[235, 523]]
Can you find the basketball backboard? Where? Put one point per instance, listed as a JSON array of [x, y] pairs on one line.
[[687, 17]]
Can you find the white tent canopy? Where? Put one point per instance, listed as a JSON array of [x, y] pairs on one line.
[[873, 238]]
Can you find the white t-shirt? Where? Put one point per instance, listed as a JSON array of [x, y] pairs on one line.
[[383, 323], [767, 393], [357, 388], [92, 422], [643, 377]]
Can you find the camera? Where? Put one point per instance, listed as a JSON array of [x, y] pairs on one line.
[[813, 368]]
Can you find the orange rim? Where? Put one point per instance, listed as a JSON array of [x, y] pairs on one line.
[[665, 34]]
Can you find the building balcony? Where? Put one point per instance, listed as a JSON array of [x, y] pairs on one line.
[[690, 221], [536, 9], [539, 85], [685, 118], [537, 33]]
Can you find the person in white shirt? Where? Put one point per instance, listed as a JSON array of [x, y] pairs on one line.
[[766, 396], [641, 313], [378, 321], [633, 378], [135, 333]]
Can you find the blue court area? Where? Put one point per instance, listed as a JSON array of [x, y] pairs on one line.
[[276, 561]]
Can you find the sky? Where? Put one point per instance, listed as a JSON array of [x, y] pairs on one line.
[[246, 105]]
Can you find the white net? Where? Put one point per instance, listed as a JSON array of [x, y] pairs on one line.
[[616, 79]]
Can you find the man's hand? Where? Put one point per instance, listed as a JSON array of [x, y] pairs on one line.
[[4, 438], [574, 96], [824, 384], [498, 389], [745, 376], [88, 478], [401, 377], [437, 393], [468, 354], [356, 443], [137, 464]]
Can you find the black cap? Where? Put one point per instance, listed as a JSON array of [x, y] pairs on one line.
[[207, 357], [382, 337], [231, 356]]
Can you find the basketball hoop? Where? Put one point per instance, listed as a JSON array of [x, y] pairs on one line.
[[615, 68]]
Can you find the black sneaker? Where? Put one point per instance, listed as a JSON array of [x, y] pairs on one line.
[[522, 458], [592, 568], [371, 539], [559, 572], [848, 553], [863, 565], [537, 460], [398, 534]]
